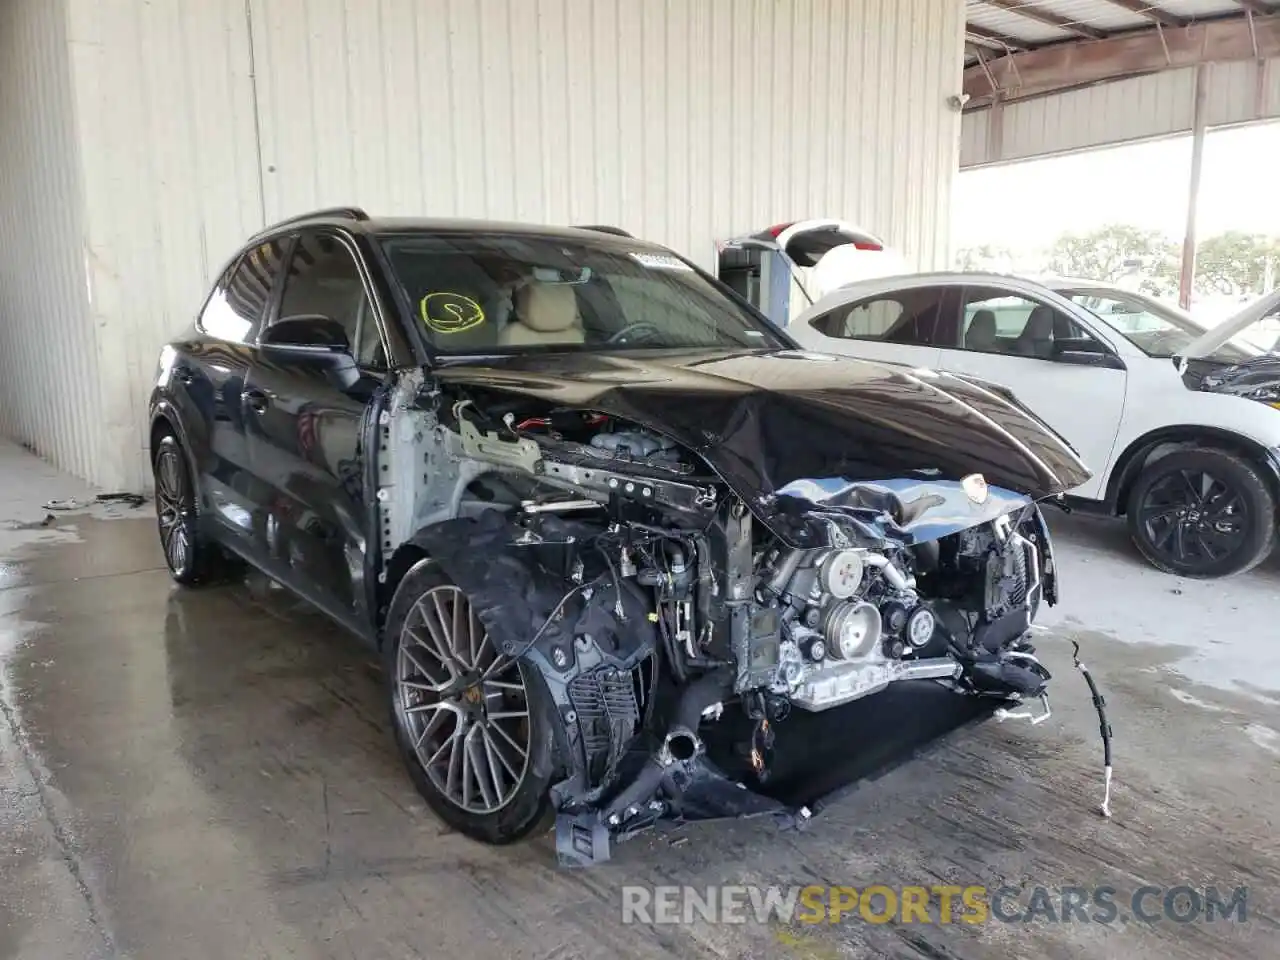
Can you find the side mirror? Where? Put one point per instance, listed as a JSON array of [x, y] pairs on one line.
[[307, 331], [1085, 353]]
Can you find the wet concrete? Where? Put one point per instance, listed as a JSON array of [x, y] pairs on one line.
[[209, 773]]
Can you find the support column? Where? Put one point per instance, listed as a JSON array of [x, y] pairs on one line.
[[1187, 274]]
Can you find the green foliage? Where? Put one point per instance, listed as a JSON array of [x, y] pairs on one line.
[[985, 257], [1237, 263], [1117, 250], [1232, 263]]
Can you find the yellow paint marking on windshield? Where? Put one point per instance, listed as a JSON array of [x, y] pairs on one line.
[[450, 312]]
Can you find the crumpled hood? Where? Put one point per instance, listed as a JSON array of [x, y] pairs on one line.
[[763, 419]]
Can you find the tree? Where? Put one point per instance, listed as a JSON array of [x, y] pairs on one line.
[[1237, 263], [985, 257], [1117, 251]]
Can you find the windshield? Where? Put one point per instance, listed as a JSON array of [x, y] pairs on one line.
[[1155, 328], [495, 293]]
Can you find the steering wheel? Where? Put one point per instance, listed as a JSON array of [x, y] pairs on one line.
[[633, 327]]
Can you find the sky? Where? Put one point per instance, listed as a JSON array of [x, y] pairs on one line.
[[1025, 206]]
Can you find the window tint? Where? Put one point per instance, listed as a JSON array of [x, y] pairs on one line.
[[996, 321], [522, 292], [907, 316], [234, 309], [324, 279]]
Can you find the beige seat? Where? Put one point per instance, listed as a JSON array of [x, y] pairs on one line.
[[543, 313]]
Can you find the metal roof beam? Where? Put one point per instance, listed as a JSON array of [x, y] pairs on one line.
[[1150, 11], [1047, 17], [1050, 69], [989, 38]]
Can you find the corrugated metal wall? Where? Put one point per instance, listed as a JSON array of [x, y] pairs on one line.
[[165, 113], [1158, 105], [681, 120], [48, 376]]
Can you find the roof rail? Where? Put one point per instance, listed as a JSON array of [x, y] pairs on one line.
[[601, 228], [330, 213]]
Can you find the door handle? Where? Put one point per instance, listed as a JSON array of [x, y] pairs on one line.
[[256, 400]]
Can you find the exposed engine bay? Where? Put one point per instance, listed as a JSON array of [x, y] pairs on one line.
[[654, 601]]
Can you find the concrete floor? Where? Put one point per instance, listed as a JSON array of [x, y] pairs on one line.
[[210, 774]]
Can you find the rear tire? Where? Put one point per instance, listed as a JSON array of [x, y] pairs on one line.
[[481, 753], [192, 558], [1202, 513]]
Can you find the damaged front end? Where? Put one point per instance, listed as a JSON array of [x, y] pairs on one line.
[[675, 626]]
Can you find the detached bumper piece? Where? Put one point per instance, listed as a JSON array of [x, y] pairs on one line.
[[816, 759], [690, 790]]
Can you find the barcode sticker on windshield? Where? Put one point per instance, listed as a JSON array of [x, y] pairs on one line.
[[660, 261]]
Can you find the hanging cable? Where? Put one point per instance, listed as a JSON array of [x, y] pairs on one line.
[[1099, 704]]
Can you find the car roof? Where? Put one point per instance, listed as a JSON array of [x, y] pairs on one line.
[[961, 277], [406, 225], [1053, 282], [942, 277], [968, 276], [874, 286], [1075, 283], [356, 220]]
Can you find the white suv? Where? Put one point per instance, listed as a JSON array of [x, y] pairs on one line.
[[1181, 425]]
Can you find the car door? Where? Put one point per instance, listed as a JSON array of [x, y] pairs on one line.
[[306, 399], [893, 326], [1053, 362], [207, 375]]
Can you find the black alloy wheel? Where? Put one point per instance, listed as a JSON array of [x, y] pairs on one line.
[[1202, 513], [473, 726], [190, 556]]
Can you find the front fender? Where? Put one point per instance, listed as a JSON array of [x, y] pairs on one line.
[[1132, 459], [163, 408]]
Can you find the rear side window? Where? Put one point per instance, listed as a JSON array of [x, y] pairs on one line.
[[916, 317], [236, 305]]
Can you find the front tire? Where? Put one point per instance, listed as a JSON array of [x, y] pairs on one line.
[[191, 556], [1202, 513], [472, 726]]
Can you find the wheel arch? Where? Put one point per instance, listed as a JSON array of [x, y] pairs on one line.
[[406, 554], [1138, 454], [161, 426], [403, 559], [166, 420]]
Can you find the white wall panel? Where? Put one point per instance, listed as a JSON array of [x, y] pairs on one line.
[[682, 120], [165, 115], [1157, 105], [48, 371]]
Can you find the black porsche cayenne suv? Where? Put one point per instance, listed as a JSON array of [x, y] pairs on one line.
[[613, 533]]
